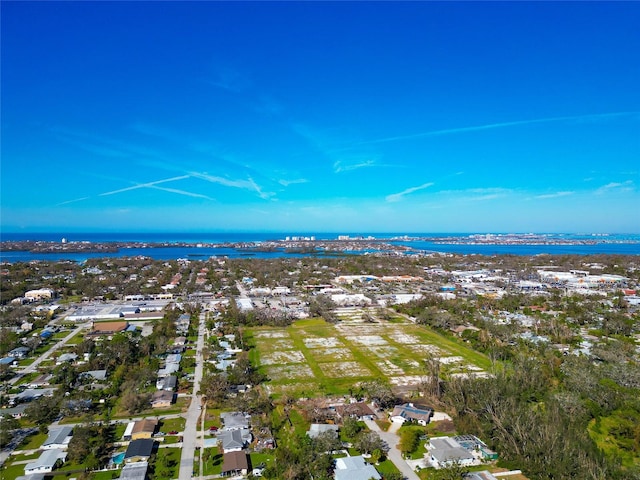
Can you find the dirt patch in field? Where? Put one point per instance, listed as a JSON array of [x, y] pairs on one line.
[[281, 358], [367, 340], [426, 349], [450, 360], [384, 351], [285, 372], [315, 342], [406, 380], [343, 369], [281, 345], [389, 368], [329, 354], [271, 334], [404, 338]]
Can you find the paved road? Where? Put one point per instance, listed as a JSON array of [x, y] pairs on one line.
[[189, 439], [32, 368], [394, 454]]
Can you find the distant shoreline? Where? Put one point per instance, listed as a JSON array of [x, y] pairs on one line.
[[257, 246]]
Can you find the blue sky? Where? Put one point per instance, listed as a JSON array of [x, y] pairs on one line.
[[296, 117]]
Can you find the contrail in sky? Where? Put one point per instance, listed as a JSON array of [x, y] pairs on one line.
[[144, 185], [491, 126]]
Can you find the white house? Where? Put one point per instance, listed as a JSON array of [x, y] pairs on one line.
[[58, 439], [40, 294], [46, 462], [444, 451], [355, 468]]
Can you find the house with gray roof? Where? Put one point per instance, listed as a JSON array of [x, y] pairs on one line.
[[408, 412], [134, 471], [168, 383], [234, 440], [355, 468], [58, 438], [33, 393], [444, 451], [46, 462], [20, 352], [235, 420], [319, 428], [95, 374]]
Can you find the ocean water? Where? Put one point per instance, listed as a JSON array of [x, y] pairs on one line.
[[604, 244]]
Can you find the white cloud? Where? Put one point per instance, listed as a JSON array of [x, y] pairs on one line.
[[286, 183], [340, 166], [554, 195], [396, 197], [615, 186]]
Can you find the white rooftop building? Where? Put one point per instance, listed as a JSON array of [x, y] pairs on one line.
[[355, 468]]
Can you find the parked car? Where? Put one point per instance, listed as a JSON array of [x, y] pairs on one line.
[[173, 432]]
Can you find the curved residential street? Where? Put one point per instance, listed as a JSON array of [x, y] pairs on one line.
[[395, 455], [189, 436]]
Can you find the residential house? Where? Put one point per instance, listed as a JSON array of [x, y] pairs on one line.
[[58, 438], [15, 412], [234, 440], [410, 412], [95, 374], [445, 451], [7, 360], [19, 352], [360, 411], [355, 468], [41, 381], [46, 462], [66, 357], [235, 463], [144, 429], [134, 471], [180, 341], [139, 450], [168, 369], [162, 398], [235, 420], [319, 428], [32, 393], [168, 383], [474, 444]]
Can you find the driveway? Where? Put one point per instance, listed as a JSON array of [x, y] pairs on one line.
[[394, 454]]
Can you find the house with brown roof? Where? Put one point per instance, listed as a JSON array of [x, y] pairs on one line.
[[162, 398], [235, 463], [108, 328], [144, 429], [360, 411]]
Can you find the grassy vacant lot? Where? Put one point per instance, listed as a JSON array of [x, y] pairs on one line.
[[33, 441], [181, 405], [11, 472], [313, 357], [172, 424]]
